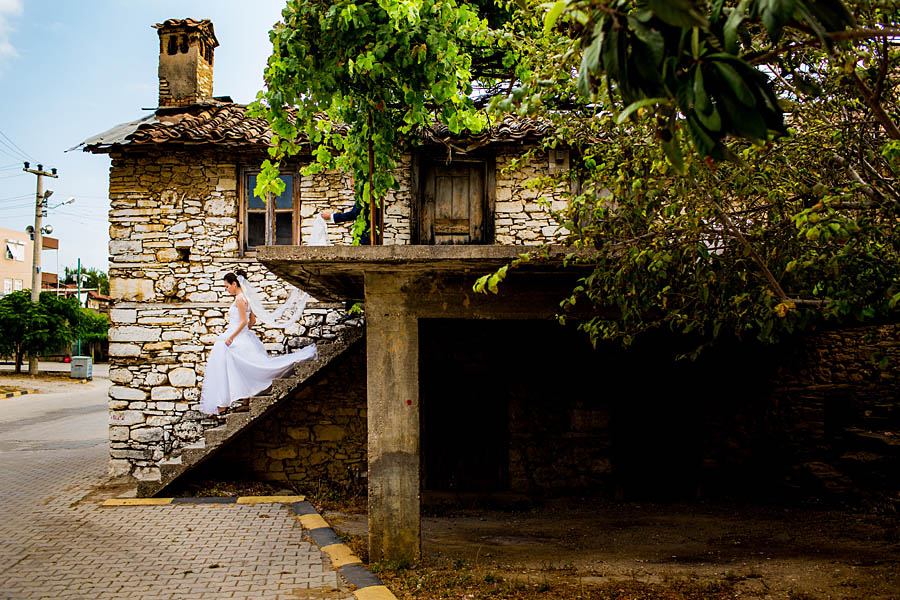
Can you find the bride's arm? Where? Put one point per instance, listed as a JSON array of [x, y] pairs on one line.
[[241, 304]]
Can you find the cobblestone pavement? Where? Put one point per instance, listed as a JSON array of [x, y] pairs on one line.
[[58, 542]]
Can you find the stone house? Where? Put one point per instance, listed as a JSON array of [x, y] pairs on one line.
[[441, 389], [182, 214]]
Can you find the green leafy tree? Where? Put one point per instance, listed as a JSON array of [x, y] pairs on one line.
[[357, 80], [90, 278], [92, 326], [29, 329], [796, 227]]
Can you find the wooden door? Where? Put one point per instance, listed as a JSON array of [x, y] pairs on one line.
[[452, 206]]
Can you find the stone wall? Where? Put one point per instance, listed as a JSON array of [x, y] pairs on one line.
[[175, 232], [837, 396], [522, 211], [315, 437], [173, 236]]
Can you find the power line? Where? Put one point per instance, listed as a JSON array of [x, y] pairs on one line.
[[2, 151], [19, 197], [16, 146]]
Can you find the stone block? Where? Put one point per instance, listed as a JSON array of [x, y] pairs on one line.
[[117, 404], [203, 297], [182, 377], [123, 315], [282, 452], [147, 434], [167, 255], [120, 375], [131, 289], [328, 433], [187, 348], [165, 393], [298, 433], [118, 434], [157, 346], [124, 349], [160, 421], [509, 207], [176, 335], [154, 379], [121, 392], [126, 418], [165, 406], [119, 467], [124, 247]]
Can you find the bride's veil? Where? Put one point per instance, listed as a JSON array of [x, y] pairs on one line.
[[296, 301]]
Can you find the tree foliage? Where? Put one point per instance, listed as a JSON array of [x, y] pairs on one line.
[[90, 278], [796, 227], [736, 160], [92, 326], [357, 80], [29, 329]]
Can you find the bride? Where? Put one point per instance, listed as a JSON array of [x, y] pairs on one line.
[[239, 366]]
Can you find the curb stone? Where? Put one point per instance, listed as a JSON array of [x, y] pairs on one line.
[[367, 585], [14, 394]]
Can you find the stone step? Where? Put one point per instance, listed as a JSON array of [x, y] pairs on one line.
[[236, 421], [259, 404], [192, 453], [215, 437]]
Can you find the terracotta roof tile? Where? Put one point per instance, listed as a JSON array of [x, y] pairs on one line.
[[227, 124]]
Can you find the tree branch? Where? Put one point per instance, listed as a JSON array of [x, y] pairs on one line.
[[871, 99], [729, 225], [838, 36]]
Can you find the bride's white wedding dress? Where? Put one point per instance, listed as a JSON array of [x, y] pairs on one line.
[[244, 368]]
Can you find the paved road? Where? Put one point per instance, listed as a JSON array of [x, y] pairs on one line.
[[58, 542]]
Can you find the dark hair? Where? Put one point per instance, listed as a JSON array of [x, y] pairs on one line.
[[233, 277]]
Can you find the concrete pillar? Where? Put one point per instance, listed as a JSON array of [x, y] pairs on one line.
[[392, 365]]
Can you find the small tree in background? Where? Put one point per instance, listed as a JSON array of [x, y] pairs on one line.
[[28, 329], [92, 327], [90, 278]]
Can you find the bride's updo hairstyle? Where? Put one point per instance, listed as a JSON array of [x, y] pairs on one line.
[[233, 277]]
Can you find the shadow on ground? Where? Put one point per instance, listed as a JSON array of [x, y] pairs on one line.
[[761, 551]]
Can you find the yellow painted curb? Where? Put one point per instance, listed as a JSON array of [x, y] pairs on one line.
[[341, 555], [137, 501], [376, 592], [269, 499], [312, 521]]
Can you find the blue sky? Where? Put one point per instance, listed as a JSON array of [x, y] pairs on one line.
[[70, 69]]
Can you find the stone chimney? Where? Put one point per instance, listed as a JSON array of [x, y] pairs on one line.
[[185, 61]]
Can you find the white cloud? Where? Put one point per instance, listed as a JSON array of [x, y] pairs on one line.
[[8, 9]]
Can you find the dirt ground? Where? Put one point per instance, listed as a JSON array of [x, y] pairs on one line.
[[765, 552], [42, 383]]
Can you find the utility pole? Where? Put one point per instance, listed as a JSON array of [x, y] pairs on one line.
[[39, 208], [78, 279]]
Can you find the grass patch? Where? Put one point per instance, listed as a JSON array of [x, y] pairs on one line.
[[217, 489], [461, 581]]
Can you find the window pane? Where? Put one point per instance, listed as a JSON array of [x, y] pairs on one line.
[[253, 201], [256, 229], [286, 199], [284, 230]]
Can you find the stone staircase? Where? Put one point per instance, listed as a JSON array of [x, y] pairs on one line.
[[172, 467]]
